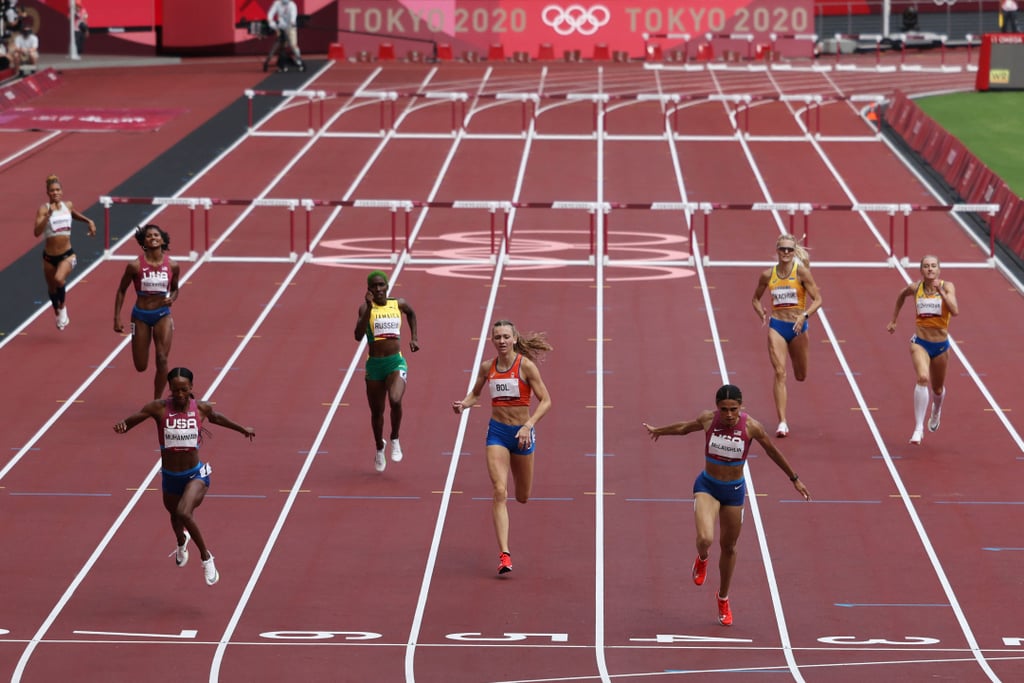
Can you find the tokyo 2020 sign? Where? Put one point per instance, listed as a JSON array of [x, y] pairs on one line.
[[521, 25]]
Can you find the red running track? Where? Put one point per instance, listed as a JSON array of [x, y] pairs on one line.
[[901, 567]]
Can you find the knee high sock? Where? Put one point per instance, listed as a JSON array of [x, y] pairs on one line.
[[62, 294], [920, 405], [937, 400], [55, 300]]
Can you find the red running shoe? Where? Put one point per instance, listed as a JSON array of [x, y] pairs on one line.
[[504, 563], [700, 570], [724, 612]]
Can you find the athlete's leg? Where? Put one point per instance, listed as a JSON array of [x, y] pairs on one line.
[[395, 384], [777, 352], [798, 354], [730, 521], [705, 511], [522, 476], [376, 396], [163, 335], [498, 468]]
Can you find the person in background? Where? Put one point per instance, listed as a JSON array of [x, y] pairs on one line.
[[1009, 11], [53, 222], [26, 48], [184, 477], [81, 24], [283, 17], [934, 303], [720, 489]]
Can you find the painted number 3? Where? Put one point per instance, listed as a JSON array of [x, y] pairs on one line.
[[851, 640]]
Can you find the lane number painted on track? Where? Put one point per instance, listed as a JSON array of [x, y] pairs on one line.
[[321, 635], [185, 633], [852, 640], [671, 638], [508, 637]]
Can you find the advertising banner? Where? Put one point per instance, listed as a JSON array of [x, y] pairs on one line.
[[1001, 64], [621, 25], [86, 119]]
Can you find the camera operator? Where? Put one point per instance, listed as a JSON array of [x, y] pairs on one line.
[[283, 18]]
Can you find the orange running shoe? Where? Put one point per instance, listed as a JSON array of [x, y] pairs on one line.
[[504, 563], [700, 570], [724, 612]]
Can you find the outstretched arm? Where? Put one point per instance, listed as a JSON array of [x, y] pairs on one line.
[[224, 421], [757, 432], [680, 428], [153, 409]]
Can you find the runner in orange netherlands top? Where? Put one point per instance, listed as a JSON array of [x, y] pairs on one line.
[[513, 378]]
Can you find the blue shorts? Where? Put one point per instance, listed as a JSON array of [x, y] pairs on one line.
[[725, 492], [933, 348], [152, 317], [175, 482], [785, 328], [501, 434]]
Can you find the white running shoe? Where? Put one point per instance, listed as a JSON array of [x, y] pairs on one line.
[[180, 553], [934, 420], [396, 450], [782, 431], [62, 318], [379, 461], [210, 571], [917, 437]]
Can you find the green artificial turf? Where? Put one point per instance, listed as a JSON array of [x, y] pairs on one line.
[[990, 124]]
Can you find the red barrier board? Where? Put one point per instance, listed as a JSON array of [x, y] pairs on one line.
[[953, 161], [22, 90], [934, 145], [972, 169], [1010, 228]]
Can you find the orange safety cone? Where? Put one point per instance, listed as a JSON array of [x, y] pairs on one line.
[[872, 114]]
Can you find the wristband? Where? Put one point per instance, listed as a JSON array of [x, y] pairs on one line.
[[794, 478]]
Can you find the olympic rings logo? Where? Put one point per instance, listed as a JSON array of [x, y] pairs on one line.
[[576, 18]]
